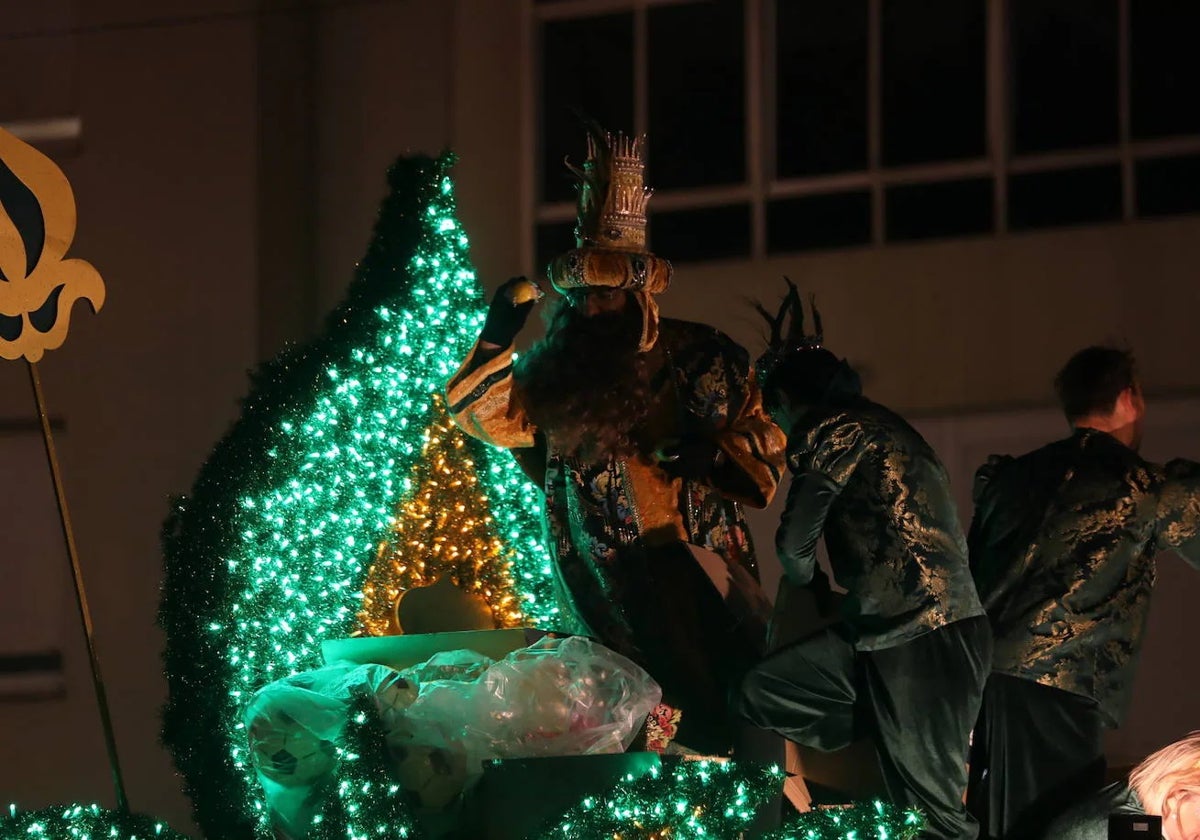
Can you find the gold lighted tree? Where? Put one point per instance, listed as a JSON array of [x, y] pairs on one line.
[[443, 527]]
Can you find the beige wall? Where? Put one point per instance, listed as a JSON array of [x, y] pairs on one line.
[[177, 185], [965, 334], [164, 180], [195, 219], [982, 323]]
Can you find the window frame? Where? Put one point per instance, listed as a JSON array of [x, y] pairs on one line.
[[762, 185]]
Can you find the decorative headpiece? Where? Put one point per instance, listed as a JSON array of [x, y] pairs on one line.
[[825, 377], [794, 339], [610, 231], [612, 193]]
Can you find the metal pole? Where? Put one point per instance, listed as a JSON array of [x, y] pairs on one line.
[[85, 616]]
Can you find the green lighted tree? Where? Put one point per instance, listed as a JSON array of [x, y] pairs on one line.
[[268, 554]]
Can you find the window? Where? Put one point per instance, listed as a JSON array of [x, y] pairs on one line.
[[781, 126]]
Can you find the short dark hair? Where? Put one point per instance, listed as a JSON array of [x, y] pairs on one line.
[[1093, 378], [810, 377]]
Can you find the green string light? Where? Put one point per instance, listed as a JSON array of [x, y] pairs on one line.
[[876, 820], [686, 799], [267, 557], [82, 822]]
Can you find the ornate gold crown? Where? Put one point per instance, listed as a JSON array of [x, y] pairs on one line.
[[612, 192]]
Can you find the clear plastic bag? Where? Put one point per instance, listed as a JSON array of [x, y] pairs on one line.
[[566, 696], [294, 724], [445, 717]]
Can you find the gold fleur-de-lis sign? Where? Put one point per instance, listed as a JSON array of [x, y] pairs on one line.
[[38, 285]]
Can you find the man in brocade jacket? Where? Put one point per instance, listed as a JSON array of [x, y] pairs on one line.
[[906, 663], [647, 434], [1062, 550]]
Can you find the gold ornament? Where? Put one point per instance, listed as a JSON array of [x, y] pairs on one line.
[[38, 286], [524, 291]]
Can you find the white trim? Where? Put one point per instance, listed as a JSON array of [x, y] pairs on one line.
[[998, 111], [530, 137], [565, 9], [641, 70], [689, 199], [875, 118], [755, 118], [1124, 47], [37, 685], [48, 130], [1065, 160], [1185, 144]]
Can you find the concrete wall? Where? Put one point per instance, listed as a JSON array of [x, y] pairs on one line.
[[227, 180], [164, 177], [227, 177], [965, 335]]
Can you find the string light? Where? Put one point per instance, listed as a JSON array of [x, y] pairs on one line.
[[875, 820], [699, 799], [443, 527], [344, 457], [82, 822], [270, 553]]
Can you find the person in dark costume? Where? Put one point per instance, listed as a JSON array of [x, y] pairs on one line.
[[648, 435], [1165, 785], [1062, 549], [906, 663]]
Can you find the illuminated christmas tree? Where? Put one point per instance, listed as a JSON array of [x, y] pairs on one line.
[[443, 527], [343, 456]]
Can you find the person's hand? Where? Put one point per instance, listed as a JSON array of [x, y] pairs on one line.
[[691, 458], [509, 310]]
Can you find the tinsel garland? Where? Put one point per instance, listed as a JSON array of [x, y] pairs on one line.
[[82, 822], [688, 799], [364, 801], [862, 821], [268, 554]]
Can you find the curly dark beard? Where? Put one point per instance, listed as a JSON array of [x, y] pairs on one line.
[[585, 384]]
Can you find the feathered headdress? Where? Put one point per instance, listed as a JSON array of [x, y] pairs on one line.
[[814, 375], [792, 339]]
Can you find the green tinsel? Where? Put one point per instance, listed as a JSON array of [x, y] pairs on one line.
[[364, 801], [686, 800], [862, 821], [267, 555], [82, 822]]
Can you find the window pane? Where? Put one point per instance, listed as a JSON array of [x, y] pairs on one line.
[[933, 80], [553, 238], [1165, 72], [1065, 68], [1168, 186], [811, 222], [928, 211], [697, 94], [1072, 196], [821, 86], [587, 64], [711, 233]]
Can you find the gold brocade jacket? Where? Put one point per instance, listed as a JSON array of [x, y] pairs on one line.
[[600, 514], [1062, 549], [869, 483]]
